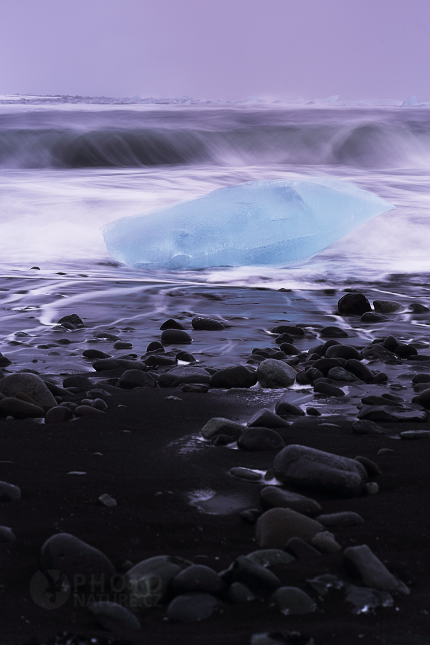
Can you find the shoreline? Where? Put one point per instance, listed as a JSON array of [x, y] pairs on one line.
[[151, 444]]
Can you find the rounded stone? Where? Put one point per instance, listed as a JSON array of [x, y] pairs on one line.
[[235, 376], [114, 617], [136, 378], [318, 470], [260, 439], [58, 414], [175, 337], [275, 497], [18, 409], [219, 425], [333, 332], [30, 384], [208, 324], [9, 492], [353, 304], [198, 577], [192, 607], [276, 526], [342, 351], [72, 556], [292, 601], [272, 373]]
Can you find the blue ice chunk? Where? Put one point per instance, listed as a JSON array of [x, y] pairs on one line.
[[256, 223]]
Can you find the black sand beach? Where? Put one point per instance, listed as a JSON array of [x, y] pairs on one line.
[[175, 493]]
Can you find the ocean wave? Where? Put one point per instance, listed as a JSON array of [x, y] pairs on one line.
[[381, 139]]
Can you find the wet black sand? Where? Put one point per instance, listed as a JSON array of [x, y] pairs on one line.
[[152, 446]]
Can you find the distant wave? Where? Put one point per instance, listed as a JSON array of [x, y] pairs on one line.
[[381, 139]]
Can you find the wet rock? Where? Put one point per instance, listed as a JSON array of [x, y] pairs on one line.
[[379, 400], [371, 570], [195, 387], [122, 344], [333, 332], [10, 406], [100, 404], [235, 376], [301, 549], [71, 318], [270, 557], [418, 308], [288, 329], [328, 390], [74, 557], [184, 374], [325, 364], [162, 568], [238, 593], [171, 324], [423, 398], [155, 346], [58, 414], [421, 378], [285, 408], [219, 425], [245, 473], [325, 542], [208, 324], [275, 374], [4, 361], [405, 351], [313, 412], [292, 601], [288, 349], [371, 317], [265, 418], [313, 374], [94, 353], [387, 306], [255, 576], [30, 384], [415, 434], [198, 577], [77, 381], [6, 535], [371, 488], [283, 339], [275, 497], [388, 413], [114, 617], [340, 374], [104, 364], [378, 352], [136, 378], [87, 411], [186, 357], [175, 337], [353, 304], [154, 360], [359, 370], [105, 335], [344, 518], [250, 515], [192, 607], [317, 470], [9, 492], [372, 469], [260, 439], [342, 351], [276, 526]]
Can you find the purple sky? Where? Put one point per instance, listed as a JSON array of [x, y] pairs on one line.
[[216, 48]]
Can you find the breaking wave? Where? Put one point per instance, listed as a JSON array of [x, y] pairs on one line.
[[380, 138]]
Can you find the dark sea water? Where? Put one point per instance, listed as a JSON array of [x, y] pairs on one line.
[[69, 168]]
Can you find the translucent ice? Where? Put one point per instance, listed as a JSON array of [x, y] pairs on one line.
[[255, 223]]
